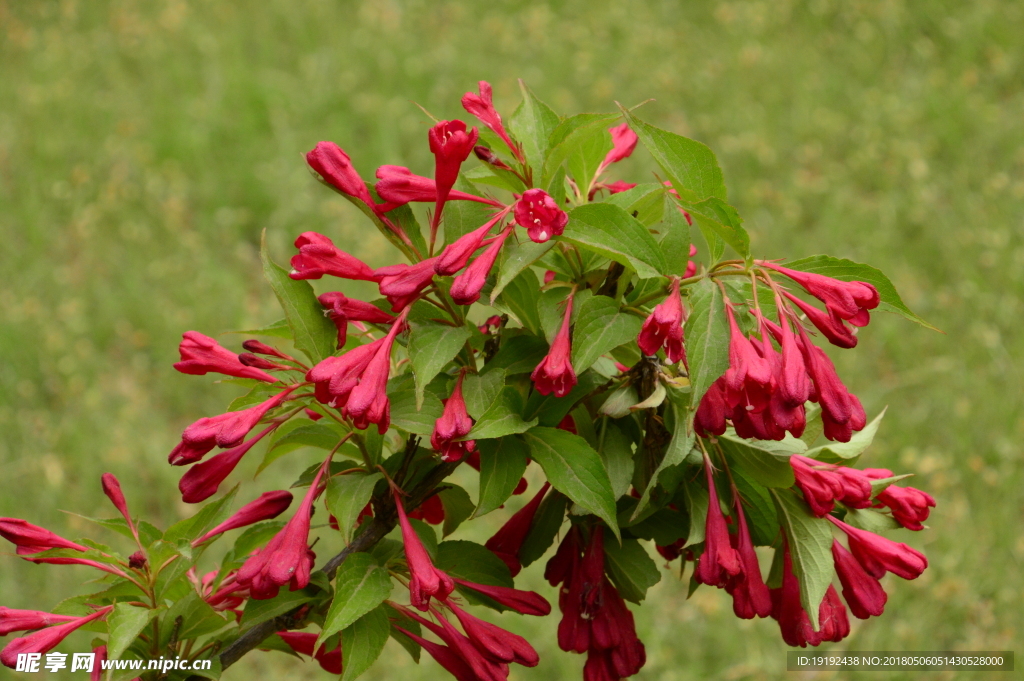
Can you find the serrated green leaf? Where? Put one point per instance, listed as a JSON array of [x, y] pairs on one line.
[[207, 517], [871, 520], [617, 453], [278, 329], [314, 334], [707, 338], [347, 495], [586, 159], [879, 484], [257, 611], [576, 470], [848, 270], [519, 300], [260, 392], [758, 508], [363, 641], [697, 500], [473, 563], [848, 452], [360, 586], [719, 222], [406, 416], [678, 447], [518, 355], [532, 124], [514, 259], [457, 507], [502, 464], [125, 623], [503, 417], [307, 434], [615, 234], [431, 348], [600, 328], [631, 569], [810, 545], [197, 619], [462, 217], [646, 200], [570, 135], [480, 390], [764, 464]]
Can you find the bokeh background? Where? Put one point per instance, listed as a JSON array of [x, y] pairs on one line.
[[145, 146]]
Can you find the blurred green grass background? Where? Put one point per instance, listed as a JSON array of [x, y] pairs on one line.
[[144, 146]]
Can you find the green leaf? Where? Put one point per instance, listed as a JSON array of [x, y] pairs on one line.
[[197, 619], [257, 611], [697, 500], [570, 135], [762, 519], [462, 217], [719, 222], [617, 453], [360, 586], [707, 338], [871, 520], [600, 328], [278, 329], [631, 569], [502, 464], [879, 485], [810, 545], [363, 641], [314, 334], [305, 433], [614, 233], [472, 562], [532, 124], [260, 392], [405, 415], [551, 409], [431, 348], [544, 528], [586, 159], [848, 270], [647, 201], [208, 516], [457, 507], [519, 300], [347, 495], [678, 447], [514, 259], [576, 470], [125, 623], [690, 165], [480, 390], [763, 461], [838, 452], [504, 417]]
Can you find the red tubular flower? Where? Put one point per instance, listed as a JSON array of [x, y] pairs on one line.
[[454, 423], [623, 143], [112, 488], [451, 144], [302, 643], [748, 380], [110, 569], [401, 284], [398, 186], [255, 361], [456, 255], [850, 300], [580, 598], [343, 310], [201, 354], [508, 540], [27, 620], [555, 374], [793, 384], [620, 186], [879, 555], [202, 480], [750, 596], [664, 328], [31, 538], [494, 642], [430, 511], [425, 580], [909, 506], [540, 215], [616, 652], [45, 640], [863, 593], [286, 559], [445, 656], [319, 256], [712, 410], [792, 618], [268, 505], [224, 430], [830, 325], [368, 401], [335, 377], [489, 157], [334, 166], [466, 287], [841, 411], [482, 106], [720, 561], [823, 484], [253, 345], [523, 602], [691, 266], [100, 653]]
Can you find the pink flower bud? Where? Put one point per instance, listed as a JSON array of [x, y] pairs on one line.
[[31, 538], [319, 256], [793, 621], [850, 300], [100, 653], [720, 561], [823, 484], [402, 283], [445, 656], [793, 383], [458, 253], [466, 288], [540, 215], [335, 377], [335, 167], [451, 144], [623, 143], [750, 596], [748, 380], [398, 186], [268, 505], [202, 480], [712, 411], [137, 560], [425, 581], [253, 345], [252, 360], [342, 310], [863, 593], [27, 620], [201, 354], [830, 325], [45, 640], [303, 643], [226, 430], [523, 602], [482, 106], [454, 424], [909, 506], [494, 642], [879, 555], [368, 401], [112, 488], [508, 540], [664, 328], [489, 157], [555, 374]]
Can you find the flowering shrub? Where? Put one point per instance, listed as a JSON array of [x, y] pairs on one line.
[[546, 318]]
